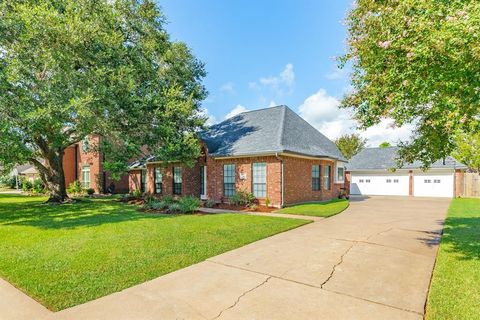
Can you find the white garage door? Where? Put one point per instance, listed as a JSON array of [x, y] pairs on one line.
[[380, 184], [433, 185]]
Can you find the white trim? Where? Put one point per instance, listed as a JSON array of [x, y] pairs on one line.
[[339, 164], [204, 196]]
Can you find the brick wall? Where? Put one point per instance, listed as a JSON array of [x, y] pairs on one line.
[[243, 167], [298, 181], [134, 180], [75, 159], [69, 165], [190, 178]]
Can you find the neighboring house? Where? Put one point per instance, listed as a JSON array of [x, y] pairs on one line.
[[372, 172], [272, 152], [81, 163], [29, 172]]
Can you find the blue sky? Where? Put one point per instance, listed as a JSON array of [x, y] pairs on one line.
[[271, 52]]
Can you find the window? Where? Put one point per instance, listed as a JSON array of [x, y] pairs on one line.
[[315, 178], [389, 180], [177, 180], [367, 180], [229, 180], [203, 191], [86, 177], [326, 177], [436, 181], [395, 180], [158, 180], [427, 181], [259, 179], [340, 174], [361, 181], [143, 180]]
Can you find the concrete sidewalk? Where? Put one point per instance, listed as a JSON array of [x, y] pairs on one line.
[[373, 261], [265, 214]]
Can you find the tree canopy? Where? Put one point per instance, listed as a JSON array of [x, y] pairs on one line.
[[385, 144], [350, 144], [74, 68], [416, 62]]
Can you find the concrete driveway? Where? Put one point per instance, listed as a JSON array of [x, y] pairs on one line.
[[373, 261]]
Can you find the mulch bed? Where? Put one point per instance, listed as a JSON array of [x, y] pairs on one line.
[[259, 208], [224, 206]]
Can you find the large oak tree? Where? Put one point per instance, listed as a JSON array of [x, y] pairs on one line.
[[416, 61], [74, 68]]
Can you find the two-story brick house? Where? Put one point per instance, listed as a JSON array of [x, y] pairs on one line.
[[81, 163], [273, 153]]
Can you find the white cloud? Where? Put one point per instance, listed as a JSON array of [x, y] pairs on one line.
[[387, 131], [322, 111], [227, 87], [336, 74], [280, 84], [237, 110], [272, 104]]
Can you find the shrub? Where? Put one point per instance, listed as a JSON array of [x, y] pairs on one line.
[[38, 186], [174, 208], [242, 198], [253, 207], [268, 202], [159, 205], [8, 181], [90, 191], [75, 188], [210, 203], [149, 198], [168, 199], [235, 199], [26, 185], [136, 193], [189, 204]]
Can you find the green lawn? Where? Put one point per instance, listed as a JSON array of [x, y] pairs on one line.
[[455, 288], [317, 209], [66, 255]]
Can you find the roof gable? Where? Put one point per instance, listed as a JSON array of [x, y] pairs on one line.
[[385, 159], [276, 129]]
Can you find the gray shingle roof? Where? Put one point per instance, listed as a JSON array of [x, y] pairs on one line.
[[269, 130], [384, 159]]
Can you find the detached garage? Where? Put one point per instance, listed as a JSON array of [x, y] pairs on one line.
[[372, 172]]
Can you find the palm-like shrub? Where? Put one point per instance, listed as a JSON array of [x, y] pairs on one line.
[[189, 204]]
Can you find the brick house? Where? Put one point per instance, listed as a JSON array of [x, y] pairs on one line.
[[82, 164], [273, 153]]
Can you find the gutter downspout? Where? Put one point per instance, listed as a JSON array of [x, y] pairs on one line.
[[282, 186]]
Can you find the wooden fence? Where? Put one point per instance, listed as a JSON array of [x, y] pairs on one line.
[[471, 187]]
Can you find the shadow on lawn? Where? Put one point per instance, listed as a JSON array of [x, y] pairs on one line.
[[463, 235], [86, 213]]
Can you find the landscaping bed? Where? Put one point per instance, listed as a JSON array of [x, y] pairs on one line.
[[244, 208]]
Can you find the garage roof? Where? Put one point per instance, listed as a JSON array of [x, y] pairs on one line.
[[385, 158]]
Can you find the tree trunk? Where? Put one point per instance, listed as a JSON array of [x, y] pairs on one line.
[[53, 176]]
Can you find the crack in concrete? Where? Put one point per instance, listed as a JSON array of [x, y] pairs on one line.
[[240, 297], [317, 287], [372, 301], [336, 265], [378, 233]]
